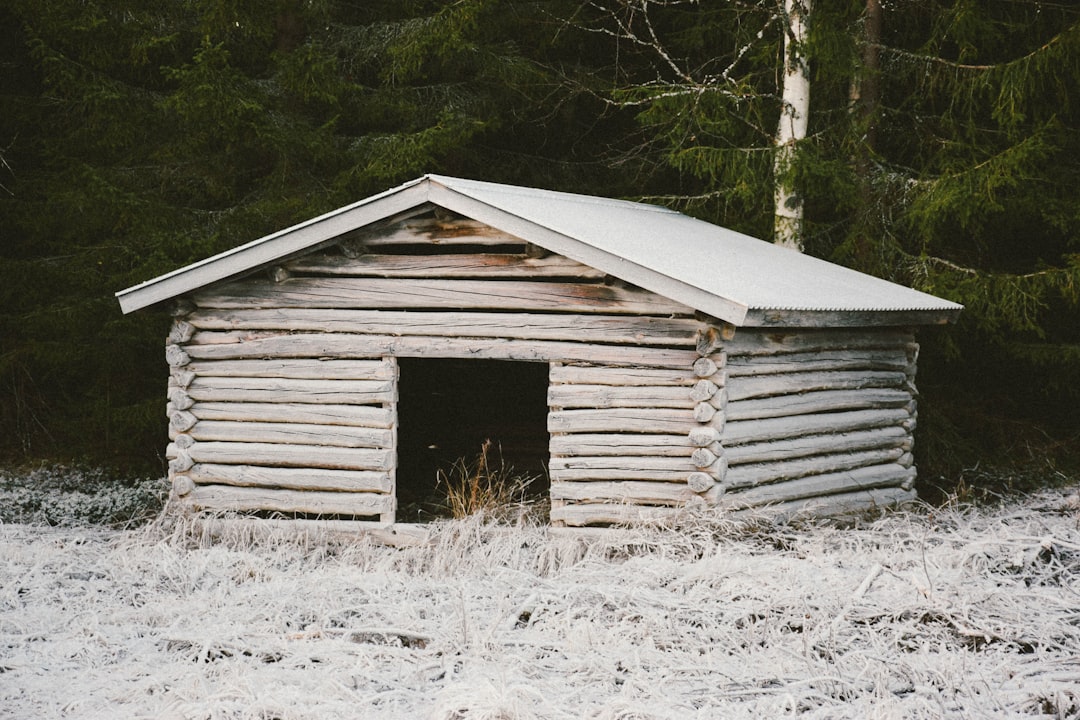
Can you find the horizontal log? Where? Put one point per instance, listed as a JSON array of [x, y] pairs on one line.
[[342, 345], [789, 470], [386, 533], [180, 377], [747, 431], [182, 485], [641, 492], [630, 444], [297, 369], [623, 376], [895, 358], [293, 434], [432, 231], [788, 448], [832, 505], [284, 390], [703, 436], [700, 482], [659, 469], [379, 293], [179, 399], [180, 332], [746, 387], [593, 475], [705, 367], [712, 338], [291, 478], [226, 498], [621, 420], [774, 341], [619, 329], [267, 454], [181, 420], [582, 514], [607, 462], [350, 415], [817, 402], [444, 265], [175, 356], [864, 478], [612, 396], [703, 390]]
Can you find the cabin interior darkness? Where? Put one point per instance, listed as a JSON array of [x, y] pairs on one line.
[[447, 409]]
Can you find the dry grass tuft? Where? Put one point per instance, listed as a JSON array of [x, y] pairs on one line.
[[486, 485]]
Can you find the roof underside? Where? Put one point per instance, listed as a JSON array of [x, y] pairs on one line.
[[731, 276]]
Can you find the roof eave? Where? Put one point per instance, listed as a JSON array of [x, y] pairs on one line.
[[854, 317], [273, 248]]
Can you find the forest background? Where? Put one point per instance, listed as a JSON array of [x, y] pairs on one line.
[[137, 136]]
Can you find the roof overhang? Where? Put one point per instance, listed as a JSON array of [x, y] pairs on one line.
[[657, 249]]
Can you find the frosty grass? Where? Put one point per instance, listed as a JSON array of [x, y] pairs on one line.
[[939, 613]]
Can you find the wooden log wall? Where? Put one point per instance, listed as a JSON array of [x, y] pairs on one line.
[[823, 414], [283, 388]]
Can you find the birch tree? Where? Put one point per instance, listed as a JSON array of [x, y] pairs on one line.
[[722, 92], [791, 130]]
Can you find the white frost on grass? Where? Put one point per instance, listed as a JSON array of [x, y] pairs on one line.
[[929, 615]]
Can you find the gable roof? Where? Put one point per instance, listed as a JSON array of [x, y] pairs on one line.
[[731, 276]]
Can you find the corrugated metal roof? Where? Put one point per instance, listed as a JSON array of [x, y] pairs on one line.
[[732, 276], [758, 275]]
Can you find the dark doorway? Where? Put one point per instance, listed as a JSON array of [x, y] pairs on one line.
[[448, 409]]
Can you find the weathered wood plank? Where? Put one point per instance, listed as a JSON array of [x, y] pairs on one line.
[[291, 478], [848, 318], [747, 431], [301, 456], [283, 390], [622, 329], [747, 387], [621, 420], [349, 415], [342, 345], [842, 359], [865, 478], [676, 464], [240, 499], [445, 265], [297, 369], [818, 402], [292, 434], [616, 444], [839, 504], [789, 448], [612, 396], [381, 293], [639, 492], [786, 471], [773, 341], [581, 514], [586, 375], [261, 528], [432, 231]]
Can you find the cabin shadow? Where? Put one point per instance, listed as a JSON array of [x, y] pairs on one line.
[[449, 409]]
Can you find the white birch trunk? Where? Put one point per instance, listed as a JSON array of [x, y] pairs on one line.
[[794, 114]]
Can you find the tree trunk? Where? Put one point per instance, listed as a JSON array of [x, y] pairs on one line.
[[794, 114]]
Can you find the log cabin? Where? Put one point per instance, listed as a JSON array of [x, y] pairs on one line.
[[644, 362]]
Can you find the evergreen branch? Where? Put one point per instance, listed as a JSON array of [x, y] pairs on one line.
[[908, 55]]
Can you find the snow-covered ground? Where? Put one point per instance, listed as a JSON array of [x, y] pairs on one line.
[[935, 614]]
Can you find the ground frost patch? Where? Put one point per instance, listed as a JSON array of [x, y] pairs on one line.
[[929, 615]]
